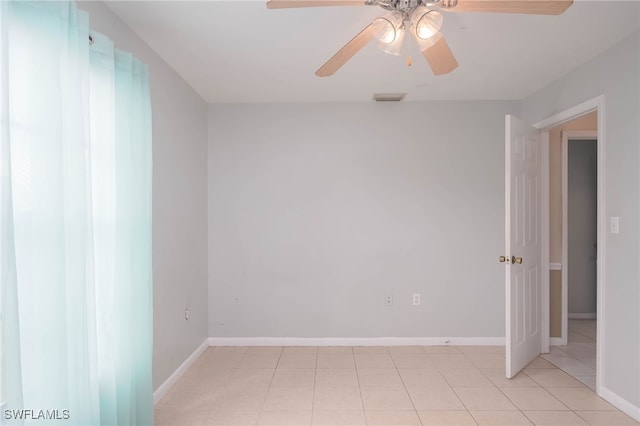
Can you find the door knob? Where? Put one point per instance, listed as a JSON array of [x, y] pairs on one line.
[[503, 259], [517, 260]]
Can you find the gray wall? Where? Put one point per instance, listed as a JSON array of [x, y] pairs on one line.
[[582, 197], [613, 74], [179, 201], [318, 211]]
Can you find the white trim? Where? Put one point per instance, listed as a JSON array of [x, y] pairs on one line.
[[564, 280], [173, 378], [555, 266], [588, 316], [568, 115], [566, 136], [595, 104], [544, 242], [620, 403], [356, 341], [555, 341]]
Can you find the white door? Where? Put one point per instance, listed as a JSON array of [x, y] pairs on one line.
[[523, 246]]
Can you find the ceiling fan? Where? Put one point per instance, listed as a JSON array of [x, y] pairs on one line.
[[422, 20]]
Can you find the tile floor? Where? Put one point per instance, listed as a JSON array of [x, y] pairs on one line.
[[578, 358], [393, 386]]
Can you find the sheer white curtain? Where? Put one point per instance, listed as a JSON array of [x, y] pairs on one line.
[[75, 223]]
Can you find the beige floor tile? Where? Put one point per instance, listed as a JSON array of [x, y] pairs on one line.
[[232, 418], [580, 398], [210, 370], [219, 360], [386, 399], [297, 361], [335, 350], [285, 418], [551, 377], [441, 349], [395, 350], [337, 398], [554, 418], [336, 377], [295, 377], [293, 399], [446, 361], [575, 337], [300, 350], [336, 360], [533, 399], [409, 360], [193, 399], [435, 398], [370, 350], [500, 418], [446, 418], [477, 350], [264, 350], [163, 401], [192, 379], [373, 360], [497, 377], [251, 377], [606, 418], [465, 377], [338, 418], [241, 398], [259, 361], [421, 378], [168, 417], [540, 363], [392, 418], [379, 377], [487, 360], [229, 349], [484, 399]]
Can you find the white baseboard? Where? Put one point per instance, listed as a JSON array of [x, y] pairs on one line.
[[620, 403], [356, 341], [555, 266], [164, 388], [583, 316], [555, 341]]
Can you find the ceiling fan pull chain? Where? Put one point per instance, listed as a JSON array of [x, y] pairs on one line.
[[409, 60]]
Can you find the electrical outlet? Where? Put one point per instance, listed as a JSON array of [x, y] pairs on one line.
[[416, 299], [186, 314], [388, 301]]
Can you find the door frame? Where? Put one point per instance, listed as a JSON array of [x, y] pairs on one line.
[[596, 104], [568, 135]]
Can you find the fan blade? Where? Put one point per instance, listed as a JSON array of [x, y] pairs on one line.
[[440, 58], [286, 4], [533, 7], [346, 53]]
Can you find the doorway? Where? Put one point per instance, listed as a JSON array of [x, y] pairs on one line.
[[575, 352], [557, 314]]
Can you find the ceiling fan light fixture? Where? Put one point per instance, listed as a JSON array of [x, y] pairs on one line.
[[385, 28], [426, 44], [427, 22], [394, 48]]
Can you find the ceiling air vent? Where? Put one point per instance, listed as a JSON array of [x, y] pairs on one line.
[[389, 97]]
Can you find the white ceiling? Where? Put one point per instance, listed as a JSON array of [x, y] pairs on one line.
[[239, 51]]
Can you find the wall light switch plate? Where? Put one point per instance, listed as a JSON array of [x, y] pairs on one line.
[[614, 224], [416, 299]]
